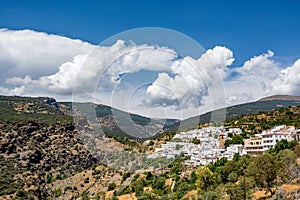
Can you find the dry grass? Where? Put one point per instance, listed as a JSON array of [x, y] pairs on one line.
[[261, 194], [127, 197], [5, 197], [190, 194], [169, 182], [148, 189], [93, 186], [109, 194], [290, 188]]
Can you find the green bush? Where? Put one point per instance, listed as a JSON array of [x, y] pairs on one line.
[[111, 186], [86, 180], [57, 192]]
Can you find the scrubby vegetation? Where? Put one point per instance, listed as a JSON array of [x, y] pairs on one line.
[[38, 145], [236, 179], [23, 109], [43, 157], [255, 123]]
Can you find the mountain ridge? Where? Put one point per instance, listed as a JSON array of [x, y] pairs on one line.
[[280, 97]]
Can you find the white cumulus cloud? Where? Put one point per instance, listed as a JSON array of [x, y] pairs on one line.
[[37, 64], [73, 62], [288, 81], [25, 52], [192, 79], [252, 79]]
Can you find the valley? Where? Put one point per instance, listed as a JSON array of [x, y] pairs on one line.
[[46, 155]]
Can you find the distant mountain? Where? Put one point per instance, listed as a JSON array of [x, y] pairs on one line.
[[281, 98], [42, 153], [118, 122], [266, 104]]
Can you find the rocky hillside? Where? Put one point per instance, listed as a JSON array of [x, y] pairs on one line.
[[44, 155], [38, 145], [120, 124]]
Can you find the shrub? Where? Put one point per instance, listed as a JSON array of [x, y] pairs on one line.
[[57, 192], [111, 186], [86, 180]]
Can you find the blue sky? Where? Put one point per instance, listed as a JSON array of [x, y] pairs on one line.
[[246, 27], [251, 50]]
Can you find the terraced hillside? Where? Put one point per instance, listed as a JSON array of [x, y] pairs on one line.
[[234, 111]]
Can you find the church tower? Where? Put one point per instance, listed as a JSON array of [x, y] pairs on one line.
[[222, 141]]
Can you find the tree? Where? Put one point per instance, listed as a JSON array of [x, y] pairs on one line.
[[149, 175], [236, 157], [181, 189], [210, 195], [238, 139], [236, 190], [205, 178], [287, 168], [251, 127], [263, 170], [111, 186], [196, 141], [178, 146], [242, 164], [193, 177], [218, 163], [281, 145], [125, 176], [159, 183], [297, 150]]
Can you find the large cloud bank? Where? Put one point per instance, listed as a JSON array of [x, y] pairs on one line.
[[34, 63]]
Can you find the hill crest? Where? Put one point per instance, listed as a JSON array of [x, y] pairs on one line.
[[280, 97]]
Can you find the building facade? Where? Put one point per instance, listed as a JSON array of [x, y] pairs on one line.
[[254, 146], [274, 135]]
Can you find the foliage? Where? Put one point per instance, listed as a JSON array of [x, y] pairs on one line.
[[196, 141], [209, 195], [205, 178], [7, 173], [111, 186], [287, 167], [238, 139], [281, 145], [57, 192], [297, 150], [125, 176], [235, 179], [255, 123], [119, 137], [263, 169], [13, 111]]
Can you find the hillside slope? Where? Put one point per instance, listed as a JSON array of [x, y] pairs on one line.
[[281, 98], [234, 111], [113, 121], [38, 145]]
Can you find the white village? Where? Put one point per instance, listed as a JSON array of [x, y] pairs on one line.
[[211, 144]]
